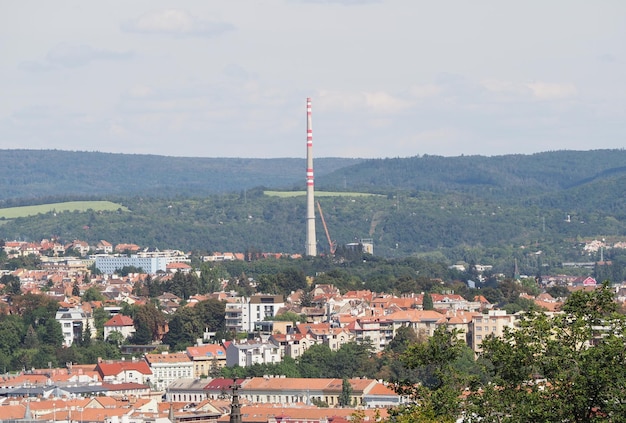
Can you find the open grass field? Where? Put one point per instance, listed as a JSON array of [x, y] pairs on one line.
[[286, 194], [15, 212]]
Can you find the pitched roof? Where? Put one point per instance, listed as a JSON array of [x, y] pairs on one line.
[[114, 369], [119, 320]]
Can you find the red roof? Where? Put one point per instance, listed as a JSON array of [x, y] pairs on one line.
[[114, 369], [119, 320]]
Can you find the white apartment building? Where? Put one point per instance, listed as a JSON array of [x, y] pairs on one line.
[[242, 313], [74, 322], [247, 354], [169, 367]]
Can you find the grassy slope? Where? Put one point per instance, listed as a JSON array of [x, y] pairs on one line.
[[15, 212]]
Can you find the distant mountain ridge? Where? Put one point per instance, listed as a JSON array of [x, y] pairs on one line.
[[32, 174], [45, 173], [502, 176]]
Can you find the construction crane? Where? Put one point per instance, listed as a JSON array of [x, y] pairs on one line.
[[331, 244]]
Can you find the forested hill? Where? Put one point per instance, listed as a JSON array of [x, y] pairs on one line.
[[508, 176], [32, 174]]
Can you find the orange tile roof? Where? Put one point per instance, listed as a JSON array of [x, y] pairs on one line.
[[208, 350], [114, 369], [119, 320], [167, 358], [261, 413]]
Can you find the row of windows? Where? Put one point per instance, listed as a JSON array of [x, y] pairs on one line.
[[480, 328]]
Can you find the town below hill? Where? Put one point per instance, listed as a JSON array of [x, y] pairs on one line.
[[145, 334]]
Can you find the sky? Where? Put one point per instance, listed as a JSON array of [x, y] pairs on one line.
[[387, 78]]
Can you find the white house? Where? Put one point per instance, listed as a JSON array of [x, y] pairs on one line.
[[74, 321], [119, 323], [247, 354]]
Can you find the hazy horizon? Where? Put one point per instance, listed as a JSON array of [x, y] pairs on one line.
[[387, 78]]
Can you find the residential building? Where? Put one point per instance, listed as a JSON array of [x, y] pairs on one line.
[[243, 313], [119, 323], [494, 323], [286, 391], [125, 372], [206, 359], [74, 322], [293, 345], [249, 353], [168, 367]]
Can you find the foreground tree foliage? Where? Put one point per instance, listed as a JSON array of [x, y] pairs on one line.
[[435, 398], [567, 368]]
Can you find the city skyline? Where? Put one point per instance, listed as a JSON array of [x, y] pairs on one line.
[[389, 78]]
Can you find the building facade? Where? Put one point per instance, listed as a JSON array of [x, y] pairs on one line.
[[168, 367]]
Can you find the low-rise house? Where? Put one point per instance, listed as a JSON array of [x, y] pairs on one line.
[[293, 345], [168, 367], [125, 372], [119, 323]]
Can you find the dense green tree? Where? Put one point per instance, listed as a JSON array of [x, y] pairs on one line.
[[438, 394], [31, 340], [184, 328], [51, 333], [211, 314], [92, 294], [75, 290], [149, 322], [11, 330], [345, 398], [183, 285], [316, 361], [127, 270], [565, 368], [100, 317], [12, 284], [116, 338], [427, 302], [211, 277]]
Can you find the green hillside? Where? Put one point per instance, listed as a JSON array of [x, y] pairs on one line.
[[536, 209]]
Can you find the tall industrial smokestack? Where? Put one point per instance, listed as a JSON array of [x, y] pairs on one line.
[[311, 243]]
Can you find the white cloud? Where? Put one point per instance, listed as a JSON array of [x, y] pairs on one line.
[[176, 22], [551, 91]]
